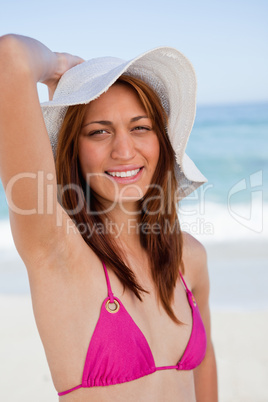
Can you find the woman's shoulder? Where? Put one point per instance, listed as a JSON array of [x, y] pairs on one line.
[[194, 257], [193, 248]]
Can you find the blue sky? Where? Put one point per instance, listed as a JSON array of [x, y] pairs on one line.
[[227, 41]]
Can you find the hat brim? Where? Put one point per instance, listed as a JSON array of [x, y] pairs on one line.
[[164, 69]]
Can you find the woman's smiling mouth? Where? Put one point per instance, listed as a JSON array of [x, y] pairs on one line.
[[125, 176]]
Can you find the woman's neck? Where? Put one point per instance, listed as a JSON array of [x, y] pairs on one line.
[[124, 224]]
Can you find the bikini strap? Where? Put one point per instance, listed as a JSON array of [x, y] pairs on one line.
[[110, 293], [186, 287]]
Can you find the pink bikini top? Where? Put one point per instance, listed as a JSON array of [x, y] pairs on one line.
[[119, 352]]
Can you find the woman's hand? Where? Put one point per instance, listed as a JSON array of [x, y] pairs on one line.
[[42, 64], [64, 61]]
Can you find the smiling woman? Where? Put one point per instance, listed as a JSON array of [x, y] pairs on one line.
[[100, 151], [120, 147], [110, 270]]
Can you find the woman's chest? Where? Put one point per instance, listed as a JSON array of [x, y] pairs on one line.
[[161, 386], [76, 327]]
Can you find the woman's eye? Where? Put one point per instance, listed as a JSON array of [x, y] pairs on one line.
[[142, 128], [96, 132]]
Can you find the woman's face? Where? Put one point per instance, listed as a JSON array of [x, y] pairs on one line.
[[118, 148]]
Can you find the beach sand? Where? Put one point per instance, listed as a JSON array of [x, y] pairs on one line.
[[240, 341]]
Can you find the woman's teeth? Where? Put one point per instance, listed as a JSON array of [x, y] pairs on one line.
[[127, 173]]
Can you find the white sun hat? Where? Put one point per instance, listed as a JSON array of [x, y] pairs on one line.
[[167, 71]]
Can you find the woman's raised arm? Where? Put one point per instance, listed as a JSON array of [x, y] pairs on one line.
[[26, 161]]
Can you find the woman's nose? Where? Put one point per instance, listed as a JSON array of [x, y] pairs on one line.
[[123, 147]]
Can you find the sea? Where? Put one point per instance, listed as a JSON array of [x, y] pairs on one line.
[[228, 214]]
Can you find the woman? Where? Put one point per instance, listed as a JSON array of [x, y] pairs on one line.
[[120, 294]]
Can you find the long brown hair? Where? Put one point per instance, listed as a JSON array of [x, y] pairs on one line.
[[163, 246]]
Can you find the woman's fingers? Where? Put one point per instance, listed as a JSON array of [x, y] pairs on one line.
[[65, 62]]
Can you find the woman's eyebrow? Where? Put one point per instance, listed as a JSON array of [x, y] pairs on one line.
[[103, 122], [109, 123], [138, 118]]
